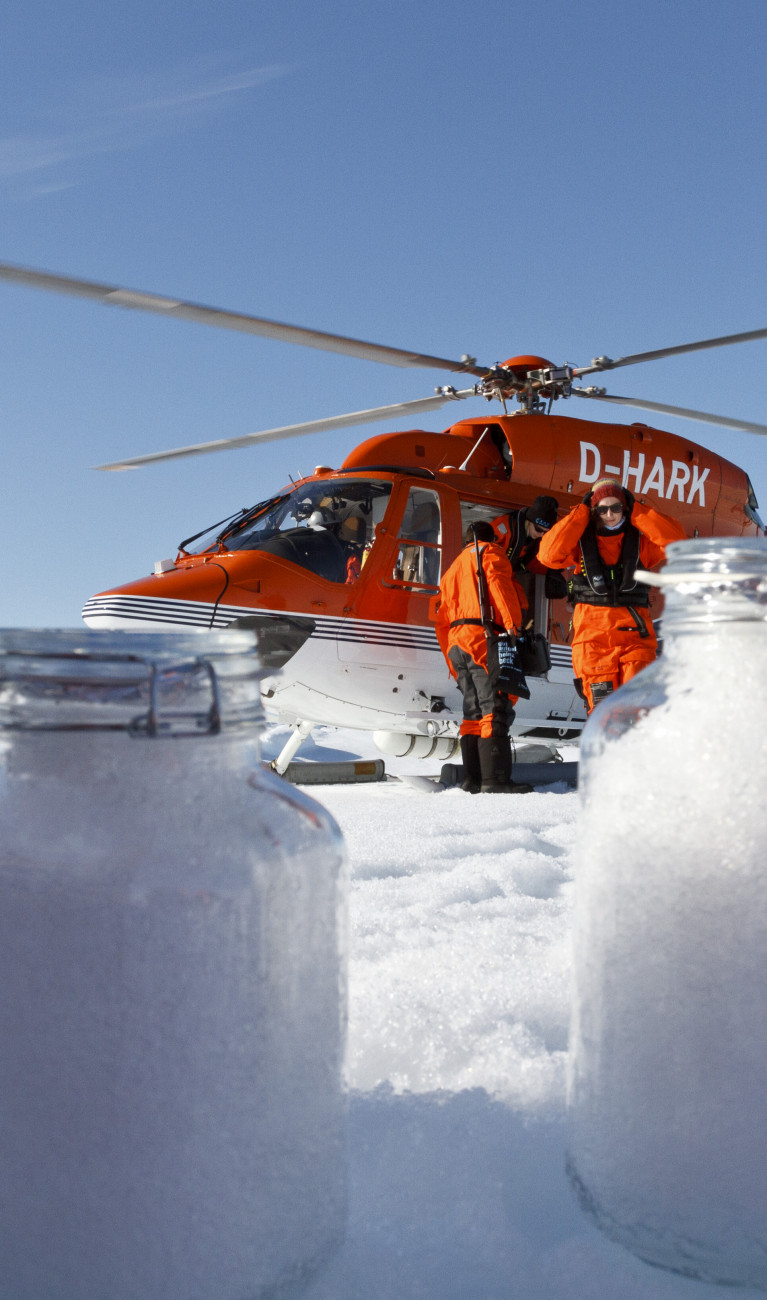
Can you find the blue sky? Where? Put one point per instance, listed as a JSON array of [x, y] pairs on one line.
[[567, 179]]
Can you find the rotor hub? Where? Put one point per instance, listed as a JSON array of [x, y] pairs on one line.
[[532, 380], [523, 365]]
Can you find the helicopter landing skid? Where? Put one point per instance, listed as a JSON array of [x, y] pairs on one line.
[[296, 738], [341, 773], [332, 773]]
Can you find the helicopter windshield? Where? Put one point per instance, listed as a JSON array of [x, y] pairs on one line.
[[212, 535], [753, 504], [324, 526]]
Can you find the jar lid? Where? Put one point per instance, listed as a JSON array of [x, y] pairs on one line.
[[170, 684]]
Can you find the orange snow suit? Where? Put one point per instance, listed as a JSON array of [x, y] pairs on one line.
[[612, 641], [522, 552], [459, 623]]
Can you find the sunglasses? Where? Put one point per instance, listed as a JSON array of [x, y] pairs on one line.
[[608, 510]]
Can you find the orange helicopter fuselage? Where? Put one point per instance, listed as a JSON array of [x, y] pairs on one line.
[[361, 592]]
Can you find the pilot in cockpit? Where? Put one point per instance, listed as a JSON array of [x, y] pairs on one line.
[[345, 520], [352, 534]]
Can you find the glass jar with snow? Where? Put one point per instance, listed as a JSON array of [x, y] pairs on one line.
[[172, 978], [667, 1089]]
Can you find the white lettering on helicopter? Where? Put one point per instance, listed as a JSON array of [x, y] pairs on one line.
[[659, 479]]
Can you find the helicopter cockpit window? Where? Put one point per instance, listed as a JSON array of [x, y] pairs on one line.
[[752, 509], [419, 545], [324, 527]]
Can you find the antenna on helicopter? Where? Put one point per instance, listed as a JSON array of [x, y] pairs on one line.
[[480, 439]]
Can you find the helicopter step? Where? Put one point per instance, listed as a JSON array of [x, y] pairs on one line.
[[534, 765], [528, 774], [535, 774]]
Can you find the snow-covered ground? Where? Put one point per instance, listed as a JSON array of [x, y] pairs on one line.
[[458, 1015]]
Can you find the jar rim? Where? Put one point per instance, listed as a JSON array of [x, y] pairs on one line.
[[143, 646], [710, 561], [701, 551], [149, 684]]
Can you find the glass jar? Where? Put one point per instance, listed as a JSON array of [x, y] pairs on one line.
[[668, 1053], [172, 977]]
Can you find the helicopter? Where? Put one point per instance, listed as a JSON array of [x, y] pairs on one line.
[[338, 572]]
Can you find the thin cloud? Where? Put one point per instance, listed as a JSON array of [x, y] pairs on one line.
[[19, 154], [226, 86], [109, 115]]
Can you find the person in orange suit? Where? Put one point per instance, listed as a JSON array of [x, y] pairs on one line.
[[606, 538], [472, 657], [519, 534]]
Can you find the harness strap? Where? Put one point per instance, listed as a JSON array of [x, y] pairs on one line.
[[640, 624], [477, 622], [596, 584]]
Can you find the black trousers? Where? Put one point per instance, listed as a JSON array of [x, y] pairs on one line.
[[483, 701]]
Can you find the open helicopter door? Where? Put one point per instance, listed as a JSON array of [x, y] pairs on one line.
[[554, 710]]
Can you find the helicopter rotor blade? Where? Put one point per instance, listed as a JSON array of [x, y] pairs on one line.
[[683, 412], [606, 363], [395, 412], [114, 296]]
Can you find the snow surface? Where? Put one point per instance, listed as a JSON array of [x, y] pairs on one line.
[[460, 915]]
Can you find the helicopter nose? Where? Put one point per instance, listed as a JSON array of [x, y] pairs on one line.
[[166, 599], [191, 599]]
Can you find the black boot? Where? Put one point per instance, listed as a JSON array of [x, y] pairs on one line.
[[495, 765], [472, 772]]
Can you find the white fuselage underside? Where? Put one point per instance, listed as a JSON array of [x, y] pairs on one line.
[[353, 672]]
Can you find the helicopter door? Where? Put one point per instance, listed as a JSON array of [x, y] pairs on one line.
[[418, 559], [540, 608], [397, 582], [536, 614]]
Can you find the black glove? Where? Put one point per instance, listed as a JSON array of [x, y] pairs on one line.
[[587, 498], [629, 501], [555, 585]]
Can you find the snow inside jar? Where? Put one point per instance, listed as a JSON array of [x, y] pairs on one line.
[[172, 979], [668, 1054]]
